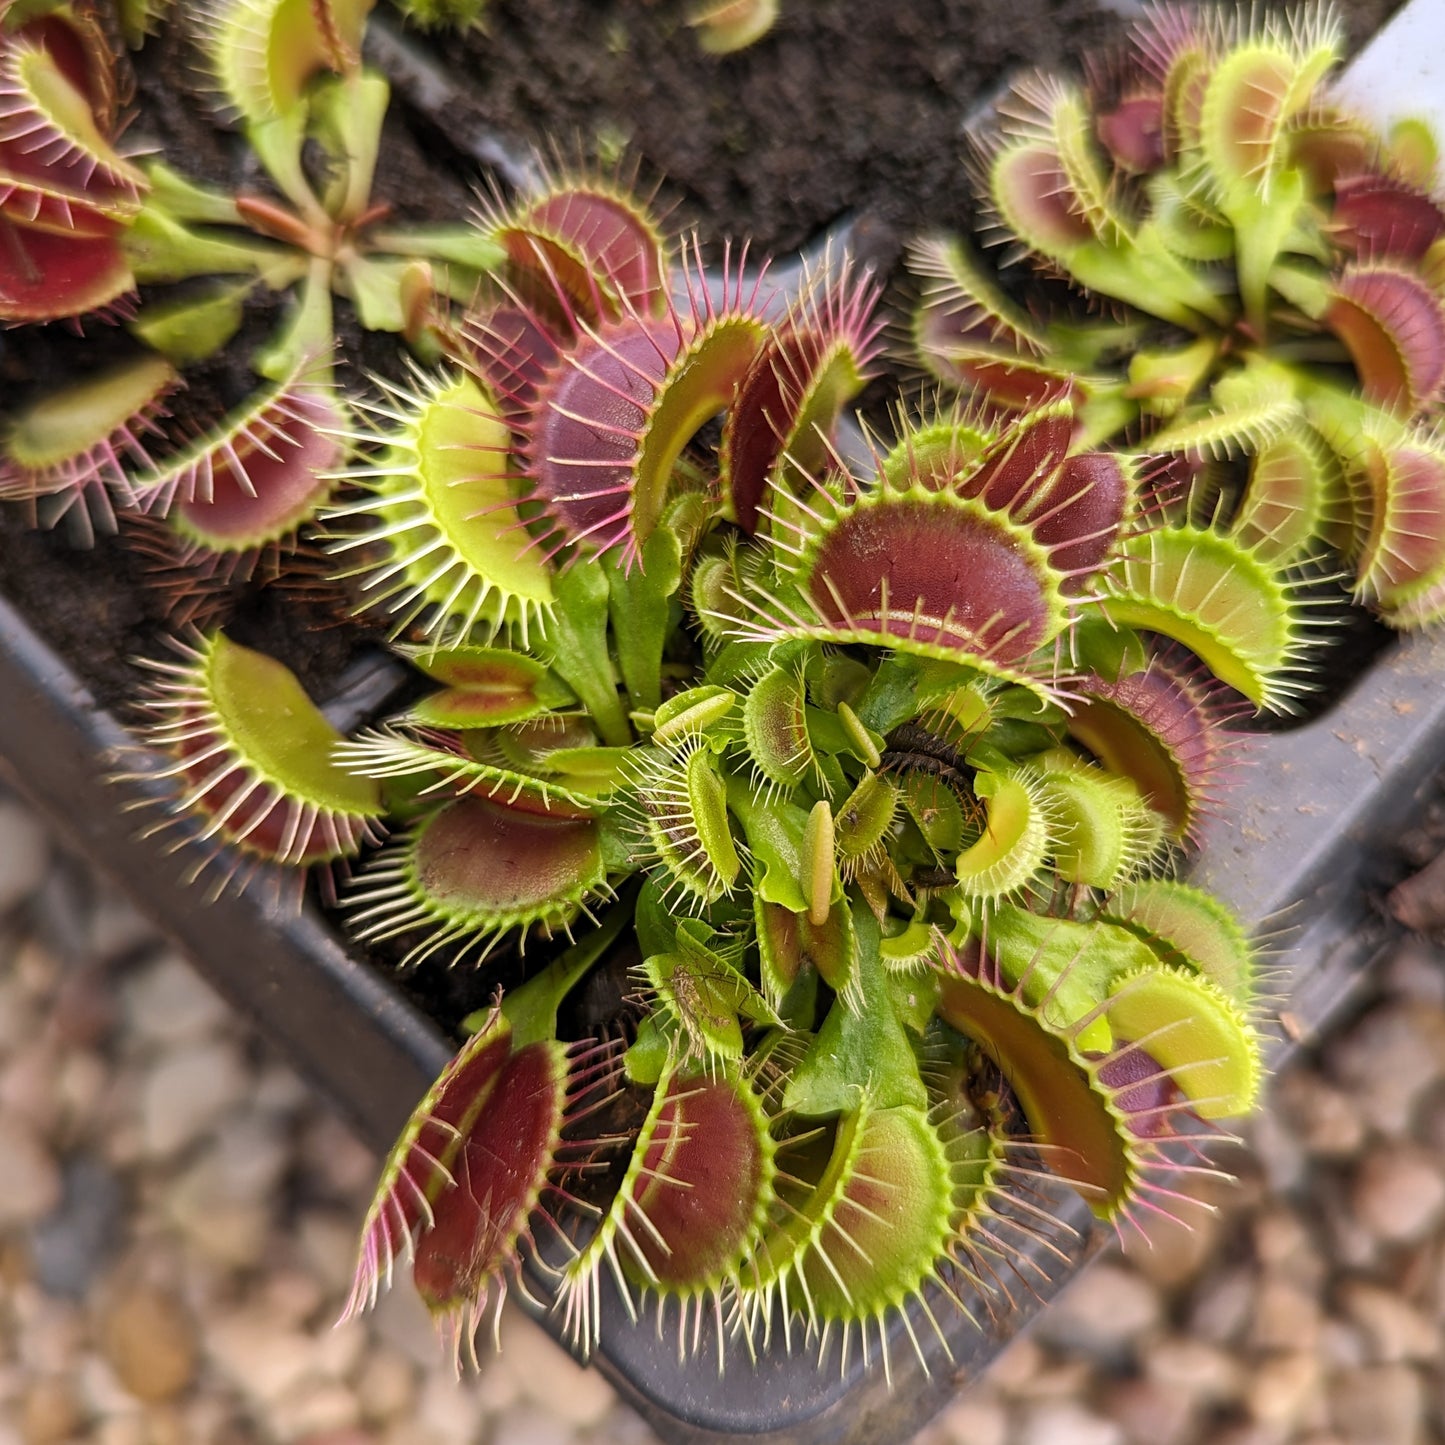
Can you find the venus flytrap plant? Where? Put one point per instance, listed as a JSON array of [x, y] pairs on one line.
[[292, 76], [1271, 268], [1160, 725], [438, 523], [247, 486], [478, 867], [242, 486], [582, 248], [70, 453], [858, 772]]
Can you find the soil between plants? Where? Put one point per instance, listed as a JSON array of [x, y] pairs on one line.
[[849, 108]]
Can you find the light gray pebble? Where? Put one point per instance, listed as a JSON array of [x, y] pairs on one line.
[[528, 1425], [1430, 1123], [1413, 972], [1017, 1365], [1174, 1253], [1342, 1346], [17, 1013], [1282, 1388], [1064, 1422], [187, 1091], [328, 1240], [626, 1427], [315, 1409], [249, 1154], [974, 1420], [386, 1383], [83, 1087], [167, 1002], [1277, 1148], [448, 1415], [336, 1348], [1389, 1059], [1285, 1317], [1253, 1433], [27, 1085], [50, 1332], [1285, 1245], [121, 1430], [24, 854], [116, 930], [547, 1375], [1194, 1369], [1398, 1193], [280, 1090], [1379, 1406], [30, 1179], [496, 1386], [1222, 1305], [1059, 1378], [290, 1296], [1396, 1331], [84, 1010], [60, 910], [104, 1395], [264, 1360], [401, 1320], [338, 1161], [410, 1431], [1350, 1247], [37, 968], [226, 1231], [1328, 1120], [1102, 1314], [1151, 1413]]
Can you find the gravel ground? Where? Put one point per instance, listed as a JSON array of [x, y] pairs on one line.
[[177, 1221]]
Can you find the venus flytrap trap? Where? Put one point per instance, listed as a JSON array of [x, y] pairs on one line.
[[496, 1135], [865, 780], [251, 760], [724, 26], [69, 452], [67, 193]]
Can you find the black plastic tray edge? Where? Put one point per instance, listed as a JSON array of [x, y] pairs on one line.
[[1297, 851]]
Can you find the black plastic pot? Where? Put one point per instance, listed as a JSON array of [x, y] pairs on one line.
[[1304, 847]]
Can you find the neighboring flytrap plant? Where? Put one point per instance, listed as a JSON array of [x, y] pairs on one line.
[[873, 773], [84, 227], [855, 754], [1257, 295]]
